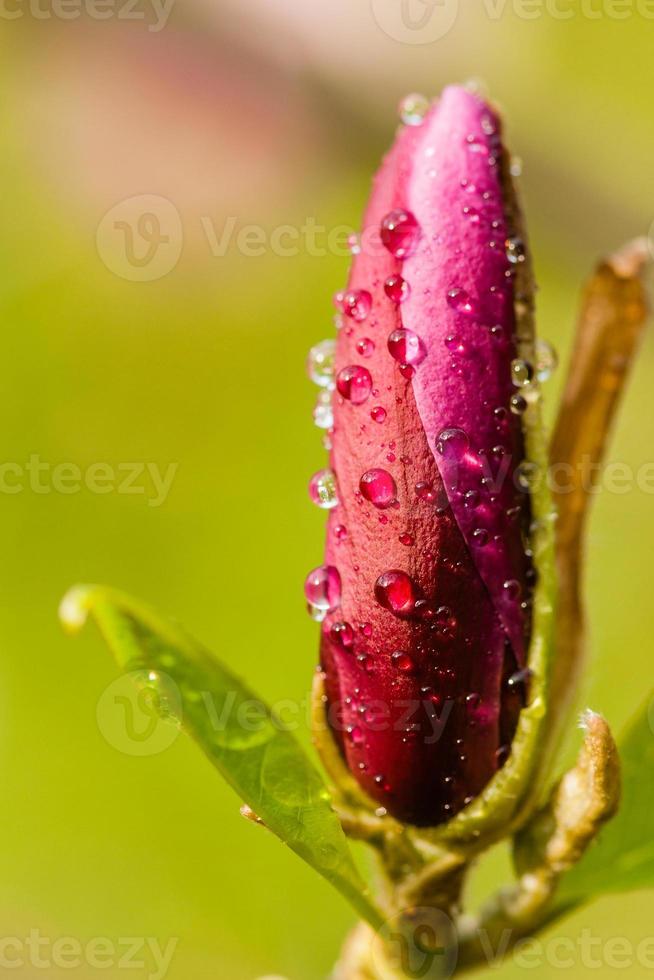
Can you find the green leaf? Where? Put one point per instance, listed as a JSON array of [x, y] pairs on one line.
[[240, 735], [623, 856]]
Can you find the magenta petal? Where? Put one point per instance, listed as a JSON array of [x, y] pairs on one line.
[[460, 289]]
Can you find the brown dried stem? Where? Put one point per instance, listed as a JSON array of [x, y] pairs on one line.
[[613, 312]]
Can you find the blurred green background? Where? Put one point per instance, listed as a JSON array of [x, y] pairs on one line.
[[267, 113]]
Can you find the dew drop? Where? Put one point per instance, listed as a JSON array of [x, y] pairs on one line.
[[342, 634], [357, 304], [406, 347], [515, 250], [378, 487], [425, 491], [378, 414], [471, 499], [520, 679], [546, 360], [397, 289], [322, 588], [323, 413], [522, 372], [365, 346], [462, 302], [356, 734], [480, 537], [400, 233], [446, 623], [397, 592], [354, 383], [354, 244], [340, 532], [403, 662], [526, 475], [406, 539], [320, 364], [452, 443], [413, 108], [322, 489], [518, 404], [455, 345], [512, 588]]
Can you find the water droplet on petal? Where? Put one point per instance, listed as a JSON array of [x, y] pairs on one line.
[[515, 250], [512, 588], [406, 539], [520, 679], [400, 233], [526, 475], [397, 289], [357, 304], [461, 301], [342, 634], [521, 372], [403, 662], [471, 499], [323, 413], [378, 414], [413, 108], [354, 383], [322, 489], [546, 360], [452, 444], [354, 244], [397, 592], [425, 491], [518, 404], [320, 363], [406, 347], [365, 347], [378, 487], [322, 588], [356, 734], [480, 537]]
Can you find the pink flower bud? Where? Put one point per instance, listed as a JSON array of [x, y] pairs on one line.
[[425, 652]]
